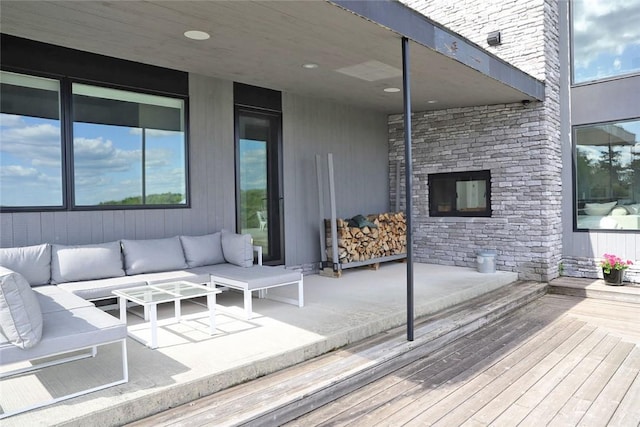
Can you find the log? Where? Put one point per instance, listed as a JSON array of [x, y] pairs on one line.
[[355, 244]]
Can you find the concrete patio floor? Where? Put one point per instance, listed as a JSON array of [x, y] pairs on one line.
[[189, 363]]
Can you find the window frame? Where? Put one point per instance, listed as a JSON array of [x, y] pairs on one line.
[[462, 176], [67, 154], [63, 132], [71, 170], [574, 179]]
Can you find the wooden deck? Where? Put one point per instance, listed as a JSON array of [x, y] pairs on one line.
[[561, 361]]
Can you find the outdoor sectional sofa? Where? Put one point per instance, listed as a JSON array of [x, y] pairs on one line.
[[48, 291]]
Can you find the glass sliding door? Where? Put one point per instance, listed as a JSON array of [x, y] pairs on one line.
[[258, 183]]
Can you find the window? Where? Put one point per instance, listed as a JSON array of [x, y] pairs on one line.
[[124, 148], [128, 148], [607, 176], [605, 39], [460, 194], [30, 142]]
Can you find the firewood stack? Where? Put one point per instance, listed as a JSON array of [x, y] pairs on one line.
[[362, 244]]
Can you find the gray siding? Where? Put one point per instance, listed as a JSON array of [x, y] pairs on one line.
[[358, 140]]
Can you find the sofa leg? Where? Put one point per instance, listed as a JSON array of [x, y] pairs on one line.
[[300, 293], [248, 309]]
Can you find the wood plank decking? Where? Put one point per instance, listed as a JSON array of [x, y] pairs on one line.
[[560, 360]]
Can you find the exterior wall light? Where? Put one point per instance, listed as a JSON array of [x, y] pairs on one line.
[[493, 39]]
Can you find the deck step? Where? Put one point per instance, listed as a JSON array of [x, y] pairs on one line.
[[595, 288], [290, 393]]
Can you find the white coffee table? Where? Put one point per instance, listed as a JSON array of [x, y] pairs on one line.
[[151, 295]]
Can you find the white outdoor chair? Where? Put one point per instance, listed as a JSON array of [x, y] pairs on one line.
[[262, 219]]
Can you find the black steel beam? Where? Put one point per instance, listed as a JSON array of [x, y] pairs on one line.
[[408, 173]]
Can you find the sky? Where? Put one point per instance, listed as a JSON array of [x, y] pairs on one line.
[[107, 162], [606, 38], [253, 164]]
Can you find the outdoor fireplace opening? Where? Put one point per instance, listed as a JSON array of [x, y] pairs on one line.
[[460, 194]]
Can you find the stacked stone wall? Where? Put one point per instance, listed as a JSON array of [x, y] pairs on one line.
[[519, 144], [511, 142], [590, 268]]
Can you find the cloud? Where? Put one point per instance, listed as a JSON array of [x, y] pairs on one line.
[[162, 181], [11, 120], [254, 169], [16, 171], [103, 170], [158, 157], [23, 186], [604, 26], [38, 144], [98, 155]]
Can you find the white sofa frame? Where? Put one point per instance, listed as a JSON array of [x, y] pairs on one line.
[[93, 353], [71, 325]]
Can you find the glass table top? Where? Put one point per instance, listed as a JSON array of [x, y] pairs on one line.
[[164, 292]]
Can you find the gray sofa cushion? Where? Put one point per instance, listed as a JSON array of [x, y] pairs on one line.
[[148, 256], [20, 314], [256, 277], [237, 248], [85, 262], [68, 329], [52, 298], [202, 250], [32, 262]]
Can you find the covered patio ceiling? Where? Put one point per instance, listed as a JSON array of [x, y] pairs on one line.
[[356, 45]]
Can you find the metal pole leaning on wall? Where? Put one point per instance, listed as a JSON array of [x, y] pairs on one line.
[[397, 185], [334, 223], [406, 90], [323, 248]]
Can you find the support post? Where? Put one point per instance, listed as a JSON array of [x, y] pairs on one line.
[[408, 171], [334, 225]]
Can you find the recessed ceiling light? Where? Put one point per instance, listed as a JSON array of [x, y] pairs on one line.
[[391, 89], [432, 101], [196, 35], [310, 66]]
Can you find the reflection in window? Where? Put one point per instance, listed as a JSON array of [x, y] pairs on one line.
[[128, 148], [608, 176], [460, 194], [605, 38], [30, 142]]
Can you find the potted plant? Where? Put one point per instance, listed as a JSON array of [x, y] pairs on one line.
[[613, 268]]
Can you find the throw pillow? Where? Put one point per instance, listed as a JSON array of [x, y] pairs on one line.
[[598, 209], [619, 211], [85, 262], [202, 250], [150, 256], [20, 314], [32, 262], [237, 249]]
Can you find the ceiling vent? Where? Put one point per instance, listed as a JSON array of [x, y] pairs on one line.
[[371, 71]]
